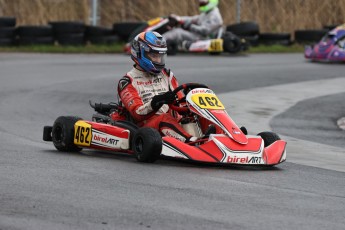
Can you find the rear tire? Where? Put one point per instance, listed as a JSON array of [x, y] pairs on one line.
[[63, 134], [172, 48], [147, 145], [231, 43], [269, 137]]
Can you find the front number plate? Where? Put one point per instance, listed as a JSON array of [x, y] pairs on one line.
[[207, 101]]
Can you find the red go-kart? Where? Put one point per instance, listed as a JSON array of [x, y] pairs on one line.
[[232, 146]]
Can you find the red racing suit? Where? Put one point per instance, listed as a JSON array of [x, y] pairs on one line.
[[136, 91]]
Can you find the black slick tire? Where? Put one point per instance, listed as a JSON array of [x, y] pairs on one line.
[[147, 145], [63, 134], [231, 43], [172, 48], [244, 130], [269, 137]]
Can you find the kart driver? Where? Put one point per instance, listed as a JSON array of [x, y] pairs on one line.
[[147, 88], [193, 28]]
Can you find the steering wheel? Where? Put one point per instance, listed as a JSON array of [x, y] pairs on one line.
[[186, 88]]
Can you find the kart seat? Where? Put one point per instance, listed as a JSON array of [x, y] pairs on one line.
[[217, 34]]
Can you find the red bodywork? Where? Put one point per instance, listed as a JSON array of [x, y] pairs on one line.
[[252, 153], [219, 148]]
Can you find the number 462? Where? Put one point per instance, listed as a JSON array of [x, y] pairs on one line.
[[82, 135], [209, 101]]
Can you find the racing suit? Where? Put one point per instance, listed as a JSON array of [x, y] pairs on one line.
[[202, 26], [136, 91]]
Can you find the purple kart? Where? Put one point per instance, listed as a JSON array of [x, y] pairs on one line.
[[331, 48]]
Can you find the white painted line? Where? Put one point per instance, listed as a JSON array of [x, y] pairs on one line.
[[341, 123]]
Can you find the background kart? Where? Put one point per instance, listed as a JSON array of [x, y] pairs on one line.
[[232, 145], [223, 42], [331, 47]]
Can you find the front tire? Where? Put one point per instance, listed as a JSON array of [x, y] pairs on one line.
[[63, 134], [269, 137], [147, 145]]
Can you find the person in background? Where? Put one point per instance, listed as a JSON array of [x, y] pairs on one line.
[[193, 28]]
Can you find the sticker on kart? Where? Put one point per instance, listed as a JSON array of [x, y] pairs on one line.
[[207, 101], [154, 21], [82, 133]]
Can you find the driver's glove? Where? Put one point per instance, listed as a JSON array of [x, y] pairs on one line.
[[159, 100], [186, 24], [174, 20]]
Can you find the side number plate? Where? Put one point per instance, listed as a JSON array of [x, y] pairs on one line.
[[82, 133], [216, 45]]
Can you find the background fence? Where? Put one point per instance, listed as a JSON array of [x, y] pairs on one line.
[[271, 15]]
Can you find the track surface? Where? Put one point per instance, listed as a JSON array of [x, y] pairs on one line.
[[41, 188]]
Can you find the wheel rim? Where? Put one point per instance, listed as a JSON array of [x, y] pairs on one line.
[[139, 145], [58, 134]]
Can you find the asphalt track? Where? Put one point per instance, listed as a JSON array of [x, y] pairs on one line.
[[41, 188]]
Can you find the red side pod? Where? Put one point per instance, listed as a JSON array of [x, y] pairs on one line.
[[109, 129], [274, 153], [191, 152]]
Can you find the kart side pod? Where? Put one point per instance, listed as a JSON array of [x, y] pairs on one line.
[[71, 134]]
